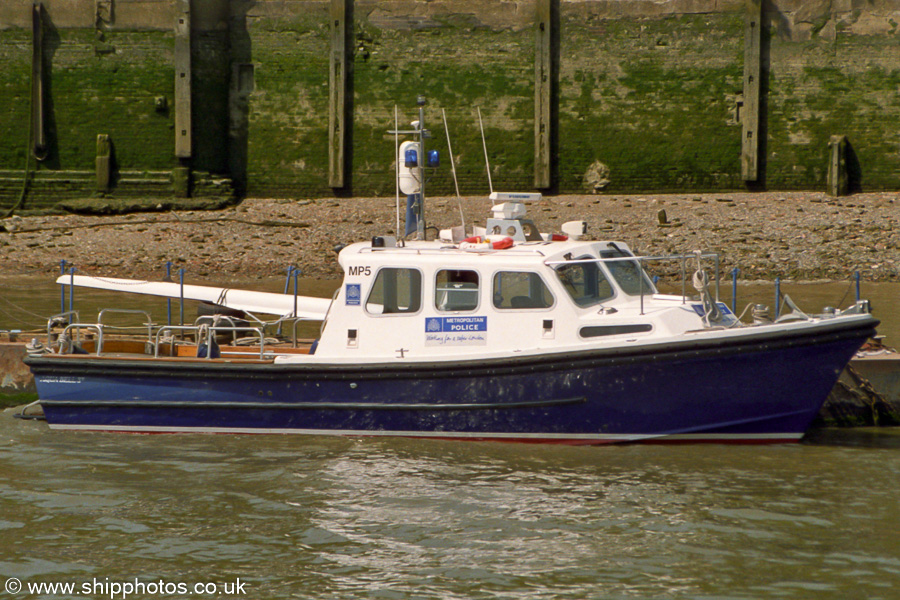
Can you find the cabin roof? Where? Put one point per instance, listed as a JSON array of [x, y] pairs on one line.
[[522, 254]]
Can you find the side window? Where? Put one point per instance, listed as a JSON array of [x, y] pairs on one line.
[[456, 290], [395, 291], [515, 290], [585, 282]]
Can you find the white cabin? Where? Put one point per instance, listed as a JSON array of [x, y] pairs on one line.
[[437, 301]]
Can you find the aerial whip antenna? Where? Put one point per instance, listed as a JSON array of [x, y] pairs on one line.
[[453, 170], [397, 166], [487, 163]]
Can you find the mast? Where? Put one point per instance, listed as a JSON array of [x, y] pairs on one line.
[[411, 177]]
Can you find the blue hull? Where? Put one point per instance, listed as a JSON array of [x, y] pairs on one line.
[[764, 389]]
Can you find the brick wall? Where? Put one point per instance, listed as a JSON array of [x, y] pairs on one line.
[[646, 88]]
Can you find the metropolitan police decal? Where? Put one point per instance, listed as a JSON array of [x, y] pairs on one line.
[[352, 294], [456, 331]]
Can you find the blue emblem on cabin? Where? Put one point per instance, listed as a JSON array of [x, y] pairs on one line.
[[455, 324], [456, 331], [353, 294]]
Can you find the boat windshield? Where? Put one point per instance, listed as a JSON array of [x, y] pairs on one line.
[[627, 273], [585, 282]]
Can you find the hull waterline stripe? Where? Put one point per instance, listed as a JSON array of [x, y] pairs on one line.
[[550, 437], [313, 405]]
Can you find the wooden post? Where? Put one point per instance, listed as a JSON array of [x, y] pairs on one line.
[[338, 78], [752, 74], [240, 87], [837, 166], [546, 97], [104, 162], [38, 132], [545, 62], [183, 79]]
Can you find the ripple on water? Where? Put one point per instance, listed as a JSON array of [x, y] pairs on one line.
[[334, 517]]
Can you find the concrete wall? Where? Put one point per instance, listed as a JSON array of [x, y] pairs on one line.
[[646, 88]]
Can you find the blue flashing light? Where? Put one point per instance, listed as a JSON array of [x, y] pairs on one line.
[[434, 158], [411, 158]]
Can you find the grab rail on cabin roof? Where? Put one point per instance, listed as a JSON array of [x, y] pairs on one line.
[[642, 259], [518, 249]]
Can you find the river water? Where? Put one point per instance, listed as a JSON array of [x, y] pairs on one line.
[[315, 517]]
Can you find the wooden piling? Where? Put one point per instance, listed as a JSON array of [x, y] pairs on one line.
[[546, 63], [183, 146], [241, 84], [752, 74], [104, 162], [38, 131], [338, 78], [838, 179]]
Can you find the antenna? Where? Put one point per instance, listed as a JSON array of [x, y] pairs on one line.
[[453, 170], [397, 167], [420, 229], [487, 163]]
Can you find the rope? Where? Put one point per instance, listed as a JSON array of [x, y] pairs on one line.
[[111, 281], [846, 293], [700, 280], [24, 310], [27, 174], [22, 324]]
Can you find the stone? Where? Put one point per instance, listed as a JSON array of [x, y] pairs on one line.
[[597, 177]]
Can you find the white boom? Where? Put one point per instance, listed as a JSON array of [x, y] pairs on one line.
[[255, 302]]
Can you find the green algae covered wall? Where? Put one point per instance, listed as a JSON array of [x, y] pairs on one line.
[[650, 100], [646, 98], [648, 92], [847, 84], [93, 87], [456, 68]]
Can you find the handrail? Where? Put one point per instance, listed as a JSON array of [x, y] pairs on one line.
[[127, 311], [215, 320], [211, 330], [294, 321], [79, 326], [517, 250], [551, 263]]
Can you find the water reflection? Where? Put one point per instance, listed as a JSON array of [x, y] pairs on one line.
[[859, 437]]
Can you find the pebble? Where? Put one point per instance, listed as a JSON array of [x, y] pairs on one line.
[[826, 240]]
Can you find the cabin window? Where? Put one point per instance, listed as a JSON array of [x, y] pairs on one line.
[[517, 290], [627, 273], [395, 291], [456, 290], [585, 282]]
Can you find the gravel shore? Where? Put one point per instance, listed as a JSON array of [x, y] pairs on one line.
[[800, 236]]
